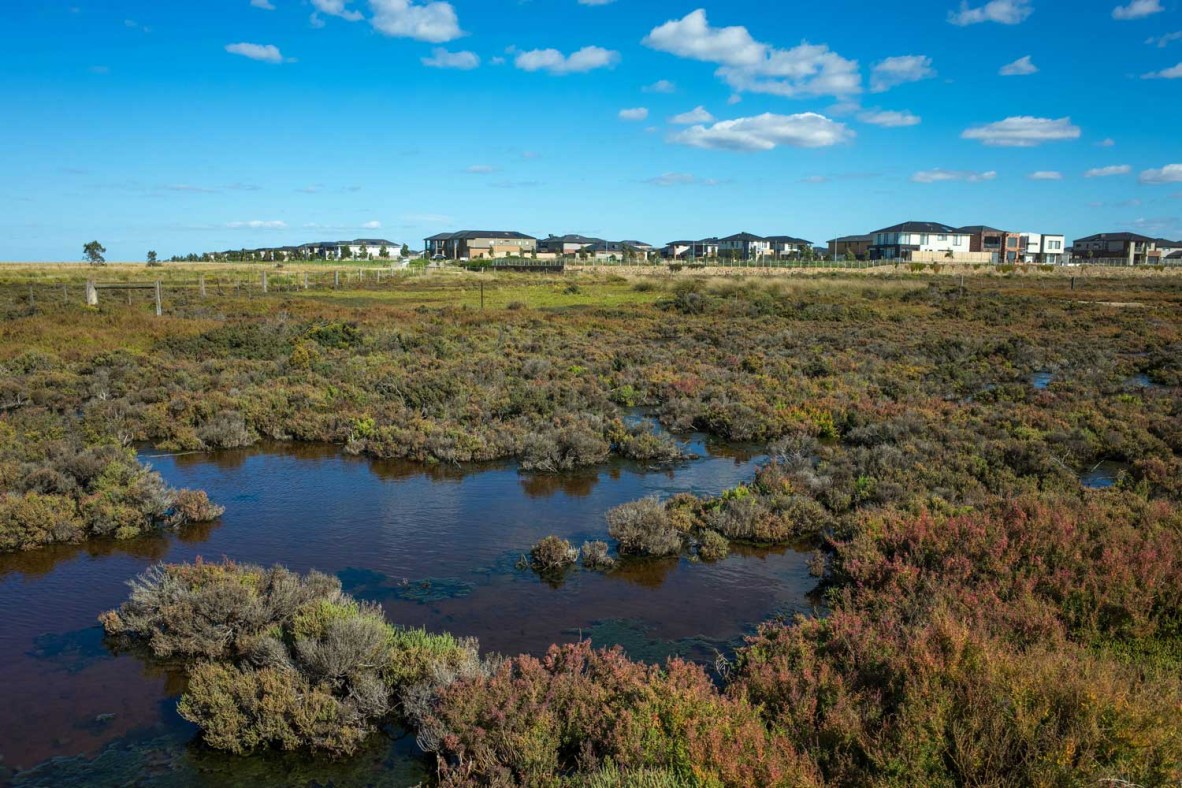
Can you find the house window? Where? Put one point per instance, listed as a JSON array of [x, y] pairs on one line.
[[923, 240], [942, 238]]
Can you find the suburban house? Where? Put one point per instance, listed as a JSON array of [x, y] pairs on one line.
[[566, 244], [1167, 247], [922, 241], [1132, 248], [850, 247], [480, 244], [691, 250], [744, 246], [1002, 246], [786, 246], [619, 251], [1044, 248]]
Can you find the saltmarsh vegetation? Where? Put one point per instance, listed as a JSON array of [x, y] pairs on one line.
[[989, 619]]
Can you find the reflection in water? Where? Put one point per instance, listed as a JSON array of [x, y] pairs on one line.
[[1104, 474], [436, 547]]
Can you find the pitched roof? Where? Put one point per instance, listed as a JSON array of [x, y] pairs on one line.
[[852, 239], [1116, 237], [977, 229], [466, 235], [918, 227], [743, 237], [571, 238], [787, 239]]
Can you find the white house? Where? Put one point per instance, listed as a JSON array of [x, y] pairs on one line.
[[1045, 248], [901, 241]]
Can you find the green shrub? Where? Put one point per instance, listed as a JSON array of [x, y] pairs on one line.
[[644, 528]]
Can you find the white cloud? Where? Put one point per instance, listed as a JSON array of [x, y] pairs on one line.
[[266, 53], [434, 22], [374, 225], [263, 4], [1046, 175], [595, 2], [337, 8], [939, 175], [767, 132], [1164, 40], [637, 113], [1137, 9], [1023, 132], [1019, 68], [441, 58], [1106, 143], [747, 65], [1171, 173], [258, 224], [681, 179], [891, 119], [698, 114], [1174, 72], [1006, 12], [660, 86], [554, 62], [1105, 172], [480, 169], [900, 70]]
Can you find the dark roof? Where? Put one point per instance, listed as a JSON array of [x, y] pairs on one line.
[[637, 244], [1167, 242], [374, 242], [852, 239], [918, 227], [441, 237], [571, 238], [977, 229], [1116, 237], [787, 239], [682, 243], [743, 237], [503, 234], [1174, 256]]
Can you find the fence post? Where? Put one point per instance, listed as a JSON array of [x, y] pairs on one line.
[[336, 280], [264, 281], [305, 280], [91, 293], [32, 303], [65, 295], [201, 285], [159, 299]]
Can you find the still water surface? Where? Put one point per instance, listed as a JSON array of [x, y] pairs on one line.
[[435, 547]]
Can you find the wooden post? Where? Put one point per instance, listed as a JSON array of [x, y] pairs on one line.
[[305, 280], [201, 285], [159, 299], [482, 295], [336, 280], [65, 295], [32, 302], [264, 281], [91, 293], [1073, 283]]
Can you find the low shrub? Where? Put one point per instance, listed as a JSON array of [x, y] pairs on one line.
[[282, 660], [713, 546], [579, 712], [595, 556], [644, 528], [552, 556]]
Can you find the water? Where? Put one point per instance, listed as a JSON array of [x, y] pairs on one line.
[[1040, 380], [436, 547], [1104, 474]]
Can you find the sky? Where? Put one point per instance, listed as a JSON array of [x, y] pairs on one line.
[[186, 127]]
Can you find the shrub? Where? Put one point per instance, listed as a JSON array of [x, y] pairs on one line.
[[712, 546], [552, 556], [193, 506], [226, 430], [644, 528], [595, 556], [578, 710]]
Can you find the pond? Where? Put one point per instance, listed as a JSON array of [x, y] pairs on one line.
[[1104, 474], [436, 547]]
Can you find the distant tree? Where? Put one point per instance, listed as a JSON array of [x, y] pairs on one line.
[[384, 252], [93, 252], [346, 252], [405, 250], [151, 257], [363, 252]]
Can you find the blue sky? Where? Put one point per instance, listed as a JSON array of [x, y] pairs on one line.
[[242, 123]]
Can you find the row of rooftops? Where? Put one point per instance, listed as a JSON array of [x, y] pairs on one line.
[[978, 229]]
